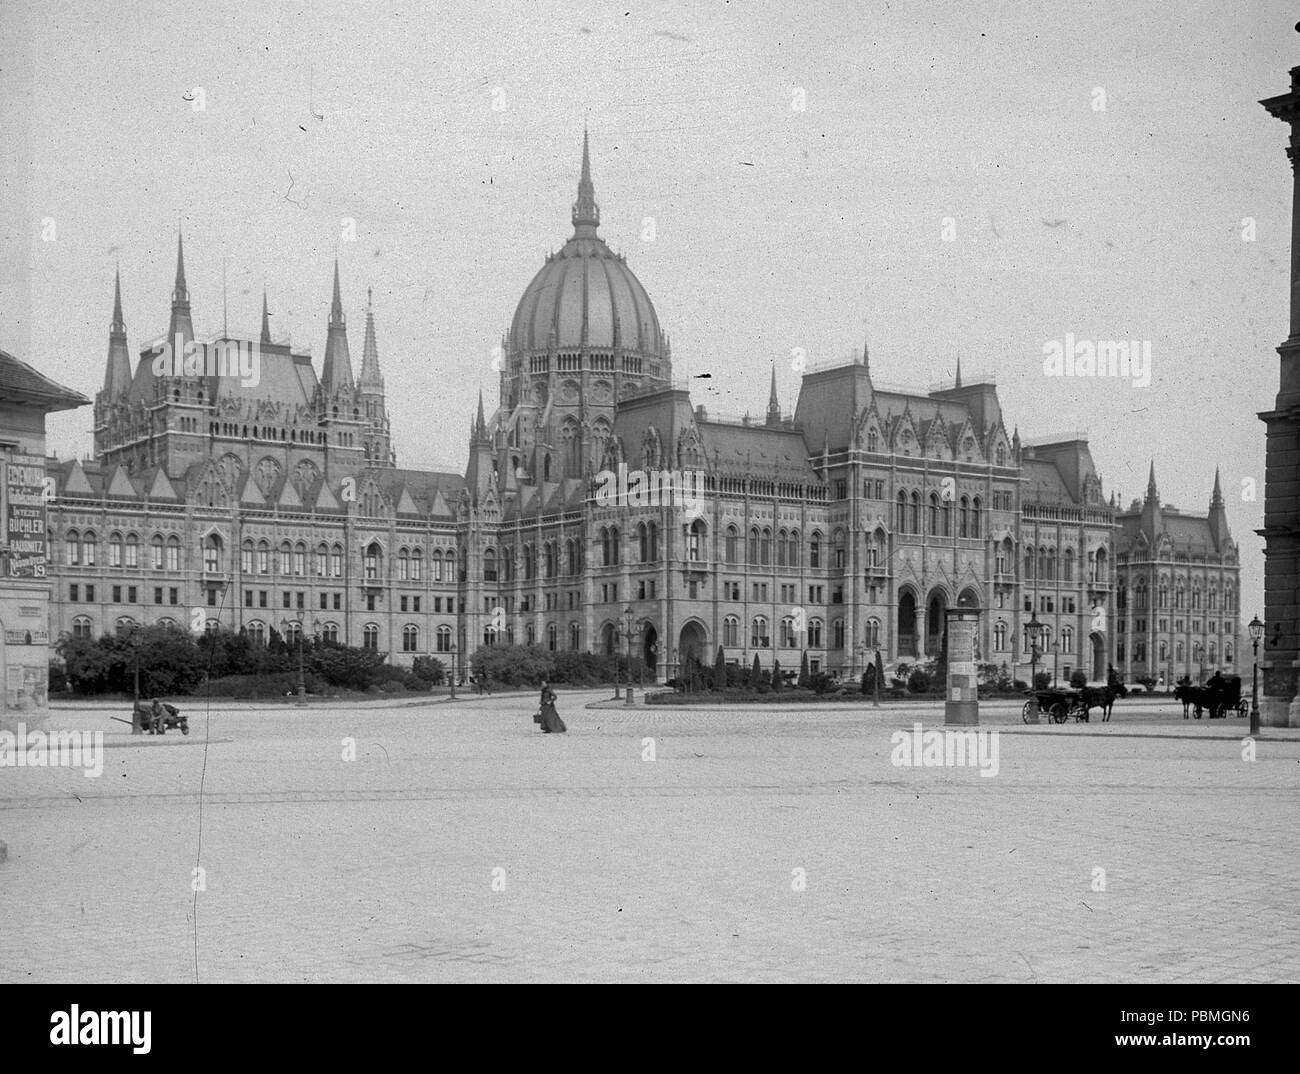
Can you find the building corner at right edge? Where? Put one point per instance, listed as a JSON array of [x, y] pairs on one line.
[[1279, 655]]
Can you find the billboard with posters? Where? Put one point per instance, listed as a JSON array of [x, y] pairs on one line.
[[22, 519]]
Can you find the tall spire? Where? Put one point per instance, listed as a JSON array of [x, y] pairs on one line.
[[266, 321], [586, 213], [1153, 522], [336, 373], [179, 291], [1218, 517], [866, 355], [1152, 492], [180, 323], [371, 379], [773, 405], [1216, 497], [117, 371], [957, 384]]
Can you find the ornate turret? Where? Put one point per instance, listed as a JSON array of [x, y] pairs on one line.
[[773, 406], [370, 391], [337, 372], [1219, 517], [117, 372], [586, 213], [180, 323], [1152, 521]]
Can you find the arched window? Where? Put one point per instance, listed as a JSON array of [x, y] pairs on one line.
[[336, 561], [654, 542], [373, 561], [403, 565], [1029, 564], [88, 546], [300, 559], [837, 550], [173, 553], [330, 632], [643, 542], [793, 555], [976, 509], [286, 558], [1164, 651], [435, 565], [263, 557], [155, 552], [442, 639], [837, 634], [550, 561], [934, 516], [963, 518], [322, 560], [530, 635], [124, 625], [212, 553], [1178, 651], [900, 523], [753, 545], [1000, 636], [814, 633], [410, 638], [786, 635], [132, 551], [574, 556], [490, 565], [370, 637], [780, 548], [815, 550], [575, 636], [695, 541], [1067, 639], [872, 440], [729, 545], [1162, 594], [1068, 566], [82, 627], [550, 630], [947, 515], [872, 638], [730, 632], [765, 547], [115, 550], [915, 517], [758, 636], [530, 561], [256, 631]]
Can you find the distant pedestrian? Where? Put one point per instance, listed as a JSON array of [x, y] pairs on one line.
[[156, 726], [550, 721]]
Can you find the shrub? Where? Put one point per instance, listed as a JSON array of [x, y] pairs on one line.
[[918, 681], [1042, 680], [429, 670], [1078, 679]]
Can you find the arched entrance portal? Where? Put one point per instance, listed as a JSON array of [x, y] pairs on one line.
[[1098, 656], [650, 650], [907, 624], [692, 640], [936, 623]]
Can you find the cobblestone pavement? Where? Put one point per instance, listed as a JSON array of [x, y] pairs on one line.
[[460, 844]]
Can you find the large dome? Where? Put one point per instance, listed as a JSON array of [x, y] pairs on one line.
[[586, 296]]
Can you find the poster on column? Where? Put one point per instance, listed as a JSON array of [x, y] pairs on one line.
[[22, 520]]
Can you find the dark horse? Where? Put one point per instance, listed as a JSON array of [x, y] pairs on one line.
[[1101, 697], [1193, 697]]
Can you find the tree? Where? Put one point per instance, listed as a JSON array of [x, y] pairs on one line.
[[804, 679], [880, 678], [720, 670], [756, 675], [776, 676]]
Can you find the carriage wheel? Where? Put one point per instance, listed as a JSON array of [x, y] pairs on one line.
[[1059, 712], [1080, 712], [1029, 711]]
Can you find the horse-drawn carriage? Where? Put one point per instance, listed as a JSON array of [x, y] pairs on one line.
[[1220, 695], [170, 718], [1059, 704]]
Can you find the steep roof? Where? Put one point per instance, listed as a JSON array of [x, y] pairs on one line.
[[21, 384]]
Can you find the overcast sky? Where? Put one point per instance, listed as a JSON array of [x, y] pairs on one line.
[[774, 227]]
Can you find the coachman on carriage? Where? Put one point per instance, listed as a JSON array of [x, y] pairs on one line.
[[1220, 695]]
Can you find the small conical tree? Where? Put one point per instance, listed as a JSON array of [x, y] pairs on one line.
[[720, 670], [880, 678], [776, 676], [803, 679], [756, 674]]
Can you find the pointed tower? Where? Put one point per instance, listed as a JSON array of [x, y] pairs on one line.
[[1219, 517], [773, 406], [180, 325], [957, 382], [266, 321], [336, 375], [377, 441], [1152, 522], [586, 213], [480, 467], [117, 372]]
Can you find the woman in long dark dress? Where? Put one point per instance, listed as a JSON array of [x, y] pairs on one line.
[[551, 722]]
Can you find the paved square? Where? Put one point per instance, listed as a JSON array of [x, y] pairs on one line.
[[460, 844]]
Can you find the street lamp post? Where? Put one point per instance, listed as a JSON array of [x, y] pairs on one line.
[[302, 686], [136, 727], [629, 632], [1033, 634], [1056, 656], [453, 670], [1256, 634]]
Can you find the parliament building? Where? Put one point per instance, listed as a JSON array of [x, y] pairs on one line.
[[848, 525]]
